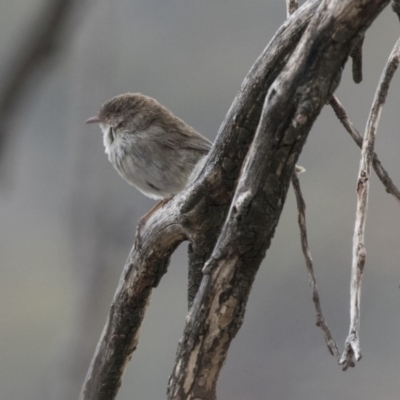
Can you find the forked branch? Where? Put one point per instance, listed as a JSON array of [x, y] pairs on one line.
[[380, 171], [291, 106], [288, 105], [193, 214]]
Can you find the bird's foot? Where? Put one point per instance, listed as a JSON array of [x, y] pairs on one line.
[[138, 235], [142, 222]]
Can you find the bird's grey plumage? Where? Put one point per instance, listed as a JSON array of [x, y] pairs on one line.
[[149, 146]]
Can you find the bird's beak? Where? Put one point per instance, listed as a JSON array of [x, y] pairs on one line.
[[93, 120]]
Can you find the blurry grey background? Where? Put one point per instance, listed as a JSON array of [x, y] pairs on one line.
[[68, 220]]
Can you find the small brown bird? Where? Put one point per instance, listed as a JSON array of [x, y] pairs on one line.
[[151, 148]]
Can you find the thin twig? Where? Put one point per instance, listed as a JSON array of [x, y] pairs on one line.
[[291, 7], [352, 346], [301, 207], [381, 172], [356, 57]]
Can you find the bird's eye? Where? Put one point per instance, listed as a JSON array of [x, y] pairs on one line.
[[111, 134]]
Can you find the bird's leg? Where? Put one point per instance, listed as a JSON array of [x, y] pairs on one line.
[[142, 222]]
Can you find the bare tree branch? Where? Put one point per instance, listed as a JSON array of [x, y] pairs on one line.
[[238, 130], [381, 172], [199, 210], [120, 336], [352, 345], [292, 104], [41, 43], [301, 207]]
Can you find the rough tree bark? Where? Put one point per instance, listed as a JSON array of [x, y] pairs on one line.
[[230, 229], [235, 135]]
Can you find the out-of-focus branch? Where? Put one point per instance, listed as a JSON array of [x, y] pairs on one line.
[[301, 207], [381, 172], [352, 351], [40, 44]]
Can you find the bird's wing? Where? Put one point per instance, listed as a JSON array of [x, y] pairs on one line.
[[181, 137], [194, 141]]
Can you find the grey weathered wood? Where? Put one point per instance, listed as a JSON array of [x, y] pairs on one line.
[[352, 350], [292, 104], [234, 138], [119, 338], [380, 171], [294, 101], [201, 208]]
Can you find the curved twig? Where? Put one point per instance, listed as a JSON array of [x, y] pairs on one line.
[[352, 351], [321, 323]]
